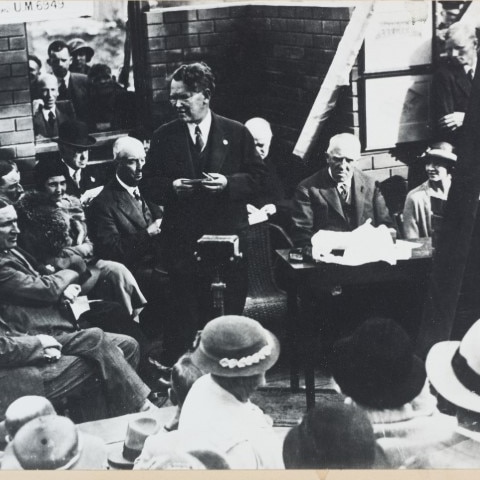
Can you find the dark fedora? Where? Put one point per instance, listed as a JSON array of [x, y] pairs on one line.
[[75, 134], [376, 365], [331, 435]]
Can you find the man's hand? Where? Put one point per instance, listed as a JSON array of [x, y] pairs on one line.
[[452, 121], [154, 228], [51, 347], [37, 105], [71, 293], [217, 184], [181, 188]]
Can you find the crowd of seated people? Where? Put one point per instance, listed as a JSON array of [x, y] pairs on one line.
[[71, 236], [74, 89]]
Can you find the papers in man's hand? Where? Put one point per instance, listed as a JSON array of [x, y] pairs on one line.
[[89, 195], [365, 244], [79, 306], [259, 215]]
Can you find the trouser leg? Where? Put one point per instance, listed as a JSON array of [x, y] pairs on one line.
[[124, 389]]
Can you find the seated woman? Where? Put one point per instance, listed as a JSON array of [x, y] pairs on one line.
[[417, 214], [54, 232], [217, 413]]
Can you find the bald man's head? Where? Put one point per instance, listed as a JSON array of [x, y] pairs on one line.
[[48, 88], [129, 154], [261, 133], [342, 155]]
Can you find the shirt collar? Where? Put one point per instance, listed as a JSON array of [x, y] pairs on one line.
[[46, 113], [204, 126], [128, 188], [66, 79]]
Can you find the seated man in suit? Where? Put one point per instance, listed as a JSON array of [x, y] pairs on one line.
[[10, 187], [452, 82], [71, 86], [339, 197], [36, 330], [49, 113], [73, 144]]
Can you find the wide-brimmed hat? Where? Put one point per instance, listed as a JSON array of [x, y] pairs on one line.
[[77, 44], [331, 435], [24, 409], [75, 134], [453, 368], [440, 150], [376, 365], [235, 346], [53, 442], [124, 456]]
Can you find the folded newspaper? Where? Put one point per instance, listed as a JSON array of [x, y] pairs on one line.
[[365, 244]]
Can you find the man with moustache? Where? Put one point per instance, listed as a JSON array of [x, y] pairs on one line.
[[71, 86], [198, 145]]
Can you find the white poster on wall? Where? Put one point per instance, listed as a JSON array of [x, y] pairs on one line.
[[35, 10]]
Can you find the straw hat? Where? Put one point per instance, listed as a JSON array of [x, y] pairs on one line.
[[235, 346], [441, 151], [453, 368], [124, 456], [53, 442]]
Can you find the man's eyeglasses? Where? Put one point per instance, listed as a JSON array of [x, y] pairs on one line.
[[184, 98]]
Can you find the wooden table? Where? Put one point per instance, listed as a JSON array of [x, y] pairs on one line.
[[324, 277]]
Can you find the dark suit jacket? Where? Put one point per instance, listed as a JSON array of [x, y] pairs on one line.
[[78, 94], [317, 206], [118, 229], [63, 111], [86, 182], [30, 301], [451, 90], [185, 220]]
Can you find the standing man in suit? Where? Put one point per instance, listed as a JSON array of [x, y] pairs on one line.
[[50, 114], [71, 86], [452, 83], [73, 144], [197, 143], [339, 197]]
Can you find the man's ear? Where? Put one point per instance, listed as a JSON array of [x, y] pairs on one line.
[[207, 94]]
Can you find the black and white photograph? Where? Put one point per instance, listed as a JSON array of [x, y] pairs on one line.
[[239, 235]]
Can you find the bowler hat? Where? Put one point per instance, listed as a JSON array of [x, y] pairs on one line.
[[77, 44], [124, 456], [441, 151], [331, 435], [235, 346], [376, 365], [453, 368], [75, 134], [53, 442]]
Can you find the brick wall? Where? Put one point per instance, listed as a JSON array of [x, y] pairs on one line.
[[16, 127]]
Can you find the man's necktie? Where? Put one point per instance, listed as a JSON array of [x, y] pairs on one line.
[[143, 206], [343, 191], [199, 143], [77, 177], [471, 74], [51, 120], [62, 90]]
